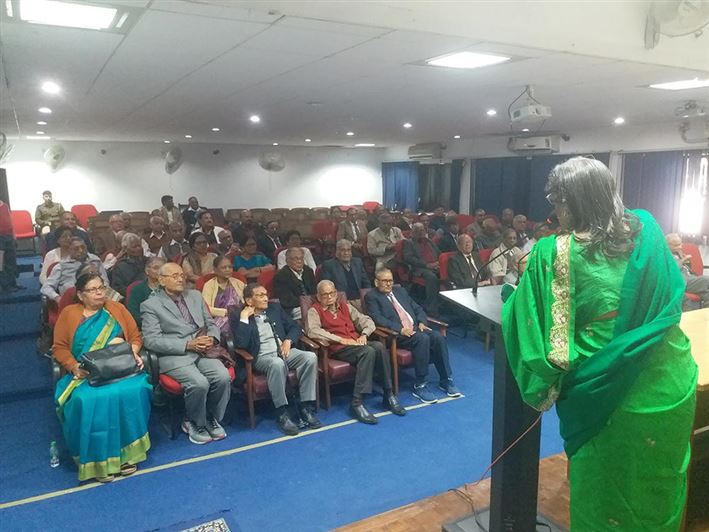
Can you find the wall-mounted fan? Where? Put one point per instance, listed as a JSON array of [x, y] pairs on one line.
[[675, 18], [272, 161], [54, 156], [173, 160]]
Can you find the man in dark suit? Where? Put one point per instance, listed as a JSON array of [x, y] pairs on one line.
[[421, 255], [354, 230], [393, 308], [189, 215], [294, 280], [448, 240], [347, 272], [178, 327], [69, 221], [246, 227], [270, 240], [465, 265], [267, 332]]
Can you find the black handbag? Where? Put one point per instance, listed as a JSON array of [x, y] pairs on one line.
[[110, 364]]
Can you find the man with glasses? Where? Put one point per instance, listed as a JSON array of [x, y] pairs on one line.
[[63, 275], [267, 332], [391, 307], [179, 329], [381, 242], [346, 329], [347, 272]]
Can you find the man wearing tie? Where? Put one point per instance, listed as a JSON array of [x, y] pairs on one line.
[[347, 272], [269, 242], [353, 230], [391, 307], [465, 264]]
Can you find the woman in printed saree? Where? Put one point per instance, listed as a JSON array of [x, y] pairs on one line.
[[221, 292], [594, 328], [105, 427]]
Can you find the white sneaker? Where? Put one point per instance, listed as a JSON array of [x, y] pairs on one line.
[[198, 435]]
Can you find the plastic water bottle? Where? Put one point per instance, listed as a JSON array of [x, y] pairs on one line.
[[53, 454]]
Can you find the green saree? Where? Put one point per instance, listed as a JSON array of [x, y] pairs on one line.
[[600, 338]]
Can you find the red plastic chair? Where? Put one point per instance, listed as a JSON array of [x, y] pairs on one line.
[[443, 259], [485, 254], [265, 279], [276, 253], [369, 206], [129, 288], [464, 220], [83, 213], [23, 226], [695, 264]]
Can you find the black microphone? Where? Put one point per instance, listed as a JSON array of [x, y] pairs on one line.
[[519, 260], [476, 279]]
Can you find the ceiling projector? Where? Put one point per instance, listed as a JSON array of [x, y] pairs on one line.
[[530, 111]]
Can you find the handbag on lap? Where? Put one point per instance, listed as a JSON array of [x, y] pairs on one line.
[[110, 364]]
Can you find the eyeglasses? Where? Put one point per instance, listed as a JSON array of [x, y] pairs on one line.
[[95, 290], [328, 294], [385, 281], [175, 276], [200, 242]]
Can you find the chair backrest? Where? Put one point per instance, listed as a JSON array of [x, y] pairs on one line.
[[443, 259], [199, 283], [265, 279], [464, 220], [22, 223], [129, 289], [276, 253], [399, 250], [308, 301], [485, 254], [83, 212], [695, 262], [68, 298], [324, 230], [51, 267], [369, 206]]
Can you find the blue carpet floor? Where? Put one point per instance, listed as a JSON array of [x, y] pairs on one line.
[[314, 482]]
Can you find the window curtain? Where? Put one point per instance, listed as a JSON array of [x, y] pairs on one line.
[[439, 185], [401, 185]]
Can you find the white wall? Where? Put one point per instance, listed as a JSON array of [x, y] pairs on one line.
[[131, 176]]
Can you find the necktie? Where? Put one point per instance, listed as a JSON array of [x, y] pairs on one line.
[[406, 322], [473, 269], [355, 230]]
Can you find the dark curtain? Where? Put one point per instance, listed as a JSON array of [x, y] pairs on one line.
[[439, 185], [401, 185], [653, 181]]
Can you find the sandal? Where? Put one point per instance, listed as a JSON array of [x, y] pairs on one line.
[[106, 479], [128, 469]]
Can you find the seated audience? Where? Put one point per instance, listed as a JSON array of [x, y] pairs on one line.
[[540, 231], [490, 236], [144, 289], [696, 284], [519, 224], [48, 214], [179, 329], [293, 241], [448, 240], [345, 330], [131, 266], [295, 280], [105, 427], [227, 246], [108, 241], [504, 269], [208, 229], [251, 263], [246, 226], [382, 241], [68, 219], [408, 218], [63, 237], [110, 258], [267, 332], [401, 221], [168, 212], [221, 292], [63, 275], [155, 237], [189, 215], [178, 247], [199, 261], [373, 217], [270, 240], [438, 220], [420, 254], [353, 230], [347, 272], [391, 307], [127, 221], [507, 217], [465, 265], [425, 219], [476, 227]]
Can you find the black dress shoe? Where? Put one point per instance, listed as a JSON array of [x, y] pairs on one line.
[[392, 403], [306, 414], [360, 413], [286, 425]]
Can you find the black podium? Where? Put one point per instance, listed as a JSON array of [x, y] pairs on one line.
[[513, 489]]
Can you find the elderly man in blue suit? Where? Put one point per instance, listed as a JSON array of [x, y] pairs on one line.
[[346, 272], [393, 308], [267, 332]]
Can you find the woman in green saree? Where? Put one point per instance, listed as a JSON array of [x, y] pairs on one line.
[[594, 328], [105, 427]]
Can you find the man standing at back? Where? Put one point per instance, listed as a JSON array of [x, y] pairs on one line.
[[48, 215]]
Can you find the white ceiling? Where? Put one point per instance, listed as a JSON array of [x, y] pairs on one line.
[[185, 67]]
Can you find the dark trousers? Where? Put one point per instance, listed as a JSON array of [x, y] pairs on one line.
[[427, 346], [368, 359], [432, 285], [8, 275]]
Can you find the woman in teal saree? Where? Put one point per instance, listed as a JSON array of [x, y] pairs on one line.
[[594, 328], [105, 427]]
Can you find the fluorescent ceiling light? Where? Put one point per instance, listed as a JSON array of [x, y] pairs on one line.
[[45, 110], [618, 121], [491, 112], [215, 129], [275, 143], [39, 132], [308, 140], [695, 83], [467, 60], [32, 137], [41, 123], [51, 88], [166, 141], [456, 136], [188, 136], [525, 130], [364, 145], [67, 14], [408, 125], [350, 133], [255, 119]]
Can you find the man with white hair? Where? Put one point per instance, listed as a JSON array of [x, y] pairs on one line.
[[131, 266], [155, 237]]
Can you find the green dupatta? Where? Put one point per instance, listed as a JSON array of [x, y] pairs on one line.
[[538, 323]]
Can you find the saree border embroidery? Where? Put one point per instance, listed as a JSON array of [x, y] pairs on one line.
[[561, 305]]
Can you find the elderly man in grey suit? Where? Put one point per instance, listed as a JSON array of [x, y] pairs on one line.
[[178, 327], [347, 272]]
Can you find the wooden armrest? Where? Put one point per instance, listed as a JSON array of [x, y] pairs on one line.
[[380, 334], [308, 342], [387, 331], [245, 355], [441, 324]]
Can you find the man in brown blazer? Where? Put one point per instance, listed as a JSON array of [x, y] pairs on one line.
[[354, 230]]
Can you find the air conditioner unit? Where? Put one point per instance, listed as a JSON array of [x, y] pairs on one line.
[[431, 150], [545, 144], [695, 131]]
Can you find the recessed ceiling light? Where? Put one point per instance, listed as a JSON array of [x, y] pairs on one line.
[[41, 123], [51, 88], [216, 129], [255, 119], [490, 112], [365, 145], [467, 60], [695, 83], [32, 137], [45, 110], [166, 141], [618, 121], [67, 14], [408, 125], [525, 130], [307, 140], [39, 132], [456, 136], [188, 136], [275, 143], [350, 133]]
